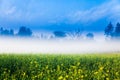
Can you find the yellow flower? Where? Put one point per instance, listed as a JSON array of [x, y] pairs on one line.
[[60, 78], [73, 67], [47, 67], [106, 74], [82, 76], [117, 73], [107, 78], [79, 71], [107, 70], [48, 79], [66, 76], [24, 73], [101, 68], [95, 73], [64, 79]]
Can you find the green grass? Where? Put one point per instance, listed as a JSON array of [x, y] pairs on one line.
[[59, 67]]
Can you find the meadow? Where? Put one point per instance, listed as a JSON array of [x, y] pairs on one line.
[[60, 66]]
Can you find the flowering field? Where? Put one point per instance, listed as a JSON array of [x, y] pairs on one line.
[[59, 67]]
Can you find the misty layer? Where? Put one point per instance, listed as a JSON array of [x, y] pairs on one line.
[[18, 45]]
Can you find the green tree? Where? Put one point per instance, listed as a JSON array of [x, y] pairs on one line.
[[23, 31], [90, 36], [59, 34], [117, 30], [109, 30]]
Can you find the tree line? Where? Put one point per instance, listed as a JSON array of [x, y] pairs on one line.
[[27, 32], [23, 32], [110, 31]]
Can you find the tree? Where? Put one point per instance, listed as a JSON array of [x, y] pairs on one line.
[[1, 29], [59, 34], [11, 32], [23, 31], [6, 32], [76, 34], [90, 36], [117, 30], [109, 30]]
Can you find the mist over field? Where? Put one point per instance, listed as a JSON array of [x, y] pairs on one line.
[[73, 20], [21, 45]]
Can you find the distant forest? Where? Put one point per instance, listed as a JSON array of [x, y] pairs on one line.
[[23, 32], [113, 32], [110, 32]]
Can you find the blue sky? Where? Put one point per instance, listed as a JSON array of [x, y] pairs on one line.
[[92, 15]]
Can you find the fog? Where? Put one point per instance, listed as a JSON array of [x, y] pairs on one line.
[[33, 46]]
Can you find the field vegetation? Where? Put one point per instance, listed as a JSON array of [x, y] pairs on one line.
[[60, 67]]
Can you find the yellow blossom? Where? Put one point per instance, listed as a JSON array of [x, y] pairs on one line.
[[60, 77], [101, 68]]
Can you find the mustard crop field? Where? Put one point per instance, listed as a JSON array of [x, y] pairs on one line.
[[59, 67]]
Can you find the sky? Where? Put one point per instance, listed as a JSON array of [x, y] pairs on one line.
[[89, 15]]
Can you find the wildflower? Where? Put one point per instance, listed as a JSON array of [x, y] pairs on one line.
[[60, 78], [82, 76], [48, 79], [103, 76], [117, 73], [79, 71], [106, 74], [108, 71], [66, 76], [73, 67], [107, 78], [47, 67], [95, 73], [24, 73], [101, 68]]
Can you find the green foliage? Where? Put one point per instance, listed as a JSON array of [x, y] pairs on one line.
[[109, 30], [113, 32], [60, 67]]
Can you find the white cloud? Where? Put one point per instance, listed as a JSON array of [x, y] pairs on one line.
[[110, 9], [7, 9], [29, 11], [14, 10], [10, 11]]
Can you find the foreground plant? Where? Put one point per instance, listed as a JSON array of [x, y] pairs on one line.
[[60, 67]]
